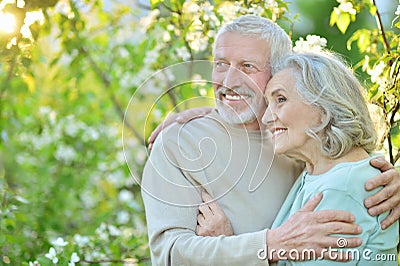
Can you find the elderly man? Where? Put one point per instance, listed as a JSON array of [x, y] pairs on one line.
[[229, 155]]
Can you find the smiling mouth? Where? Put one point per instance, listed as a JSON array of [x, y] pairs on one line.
[[234, 96], [277, 131]]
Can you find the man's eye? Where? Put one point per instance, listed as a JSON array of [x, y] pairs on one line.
[[249, 68], [221, 64]]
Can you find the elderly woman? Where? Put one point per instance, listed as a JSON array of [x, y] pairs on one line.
[[317, 114]]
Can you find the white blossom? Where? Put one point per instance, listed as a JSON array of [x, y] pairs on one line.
[[90, 134], [35, 263], [256, 10], [190, 7], [228, 11], [114, 231], [74, 258], [183, 53], [151, 57], [312, 43], [347, 7], [52, 255], [145, 22], [59, 242], [125, 196], [34, 16], [101, 232], [197, 41], [166, 36], [376, 72], [65, 154], [123, 217], [72, 127], [64, 8], [397, 12], [81, 241]]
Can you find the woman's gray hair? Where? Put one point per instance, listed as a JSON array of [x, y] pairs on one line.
[[275, 37], [325, 81]]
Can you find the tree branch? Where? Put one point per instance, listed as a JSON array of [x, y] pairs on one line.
[[114, 100], [380, 25]]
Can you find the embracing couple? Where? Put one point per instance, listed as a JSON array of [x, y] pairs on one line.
[[281, 167]]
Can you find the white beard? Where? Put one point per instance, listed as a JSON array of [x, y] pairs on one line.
[[232, 116]]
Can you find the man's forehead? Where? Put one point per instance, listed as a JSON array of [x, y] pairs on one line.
[[240, 45]]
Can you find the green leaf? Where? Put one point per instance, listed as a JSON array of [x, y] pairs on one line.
[[363, 41], [155, 3], [372, 10], [343, 22], [334, 18], [395, 135]]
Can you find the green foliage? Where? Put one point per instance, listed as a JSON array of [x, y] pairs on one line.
[[63, 92]]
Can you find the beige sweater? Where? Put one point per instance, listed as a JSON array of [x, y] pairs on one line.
[[237, 167]]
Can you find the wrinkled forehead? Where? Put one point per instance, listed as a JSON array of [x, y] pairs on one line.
[[236, 44], [285, 78]]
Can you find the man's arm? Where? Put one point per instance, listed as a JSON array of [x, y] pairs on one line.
[[173, 240], [171, 197], [388, 198]]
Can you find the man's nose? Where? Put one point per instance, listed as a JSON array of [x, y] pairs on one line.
[[269, 117], [233, 78]]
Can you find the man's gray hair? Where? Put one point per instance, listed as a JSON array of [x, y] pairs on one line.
[[325, 81], [275, 37]]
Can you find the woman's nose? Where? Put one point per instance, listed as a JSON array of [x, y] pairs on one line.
[[269, 117]]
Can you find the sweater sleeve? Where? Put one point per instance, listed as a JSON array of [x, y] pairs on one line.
[[171, 198]]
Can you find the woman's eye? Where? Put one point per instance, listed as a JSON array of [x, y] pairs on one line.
[[281, 99]]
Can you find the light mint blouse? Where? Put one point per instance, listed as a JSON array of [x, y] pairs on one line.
[[343, 188]]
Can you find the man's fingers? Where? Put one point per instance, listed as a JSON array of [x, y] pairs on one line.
[[312, 203], [155, 133], [167, 122], [205, 210], [213, 204], [181, 118], [385, 204], [381, 163], [383, 198], [380, 180], [391, 218], [193, 113], [334, 215], [206, 197], [201, 219], [200, 231]]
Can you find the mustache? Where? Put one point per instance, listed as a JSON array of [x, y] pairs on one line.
[[242, 91]]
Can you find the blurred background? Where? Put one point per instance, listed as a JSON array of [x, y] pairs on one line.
[[69, 69]]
